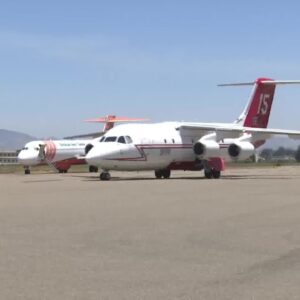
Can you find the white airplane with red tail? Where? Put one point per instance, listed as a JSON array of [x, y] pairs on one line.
[[168, 146], [62, 154]]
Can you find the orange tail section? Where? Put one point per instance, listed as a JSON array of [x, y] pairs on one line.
[[110, 120]]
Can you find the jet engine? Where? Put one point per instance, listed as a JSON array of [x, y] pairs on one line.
[[241, 150], [206, 149]]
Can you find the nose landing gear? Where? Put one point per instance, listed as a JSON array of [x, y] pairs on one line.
[[105, 176]]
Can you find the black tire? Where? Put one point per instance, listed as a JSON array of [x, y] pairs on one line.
[[208, 174], [166, 174], [105, 176], [158, 174], [27, 172], [216, 174], [93, 169]]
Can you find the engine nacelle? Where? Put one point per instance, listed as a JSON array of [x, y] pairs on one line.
[[241, 150], [206, 149]]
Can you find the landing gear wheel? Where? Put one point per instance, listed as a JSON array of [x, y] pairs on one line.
[[216, 174], [105, 176], [27, 171], [166, 174], [93, 169], [208, 174], [158, 174]]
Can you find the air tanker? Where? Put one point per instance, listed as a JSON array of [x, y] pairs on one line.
[[164, 147], [60, 155]]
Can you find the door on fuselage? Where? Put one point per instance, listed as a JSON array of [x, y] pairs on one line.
[[157, 153]]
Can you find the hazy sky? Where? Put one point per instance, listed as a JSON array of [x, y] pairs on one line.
[[64, 61]]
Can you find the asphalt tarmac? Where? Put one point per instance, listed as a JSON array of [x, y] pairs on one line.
[[70, 236]]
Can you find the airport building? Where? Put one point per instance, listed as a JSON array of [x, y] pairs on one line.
[[8, 157]]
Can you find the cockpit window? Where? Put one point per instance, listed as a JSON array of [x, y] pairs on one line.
[[110, 139], [121, 139], [25, 148], [128, 139]]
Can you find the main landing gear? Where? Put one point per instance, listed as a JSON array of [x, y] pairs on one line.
[[212, 173], [162, 174], [93, 169], [105, 176]]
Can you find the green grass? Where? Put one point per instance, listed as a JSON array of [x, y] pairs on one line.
[[18, 169], [7, 169], [273, 164]]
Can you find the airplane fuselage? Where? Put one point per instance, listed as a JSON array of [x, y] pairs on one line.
[[59, 152], [149, 147]]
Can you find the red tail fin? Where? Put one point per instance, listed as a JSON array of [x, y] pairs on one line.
[[258, 110]]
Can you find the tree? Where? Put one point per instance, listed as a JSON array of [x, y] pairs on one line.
[[266, 154], [280, 152]]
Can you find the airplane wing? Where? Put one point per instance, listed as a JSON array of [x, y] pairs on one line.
[[232, 131], [84, 136]]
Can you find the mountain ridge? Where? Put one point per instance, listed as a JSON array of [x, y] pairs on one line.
[[11, 140]]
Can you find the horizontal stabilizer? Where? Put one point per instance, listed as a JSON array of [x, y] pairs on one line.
[[262, 81], [110, 120], [114, 119]]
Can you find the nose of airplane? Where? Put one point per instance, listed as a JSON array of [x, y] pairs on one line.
[[27, 157], [102, 153]]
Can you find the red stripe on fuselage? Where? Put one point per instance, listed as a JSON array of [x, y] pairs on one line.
[[142, 147], [143, 156]]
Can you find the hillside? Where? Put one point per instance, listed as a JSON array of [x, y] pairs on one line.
[[13, 140]]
